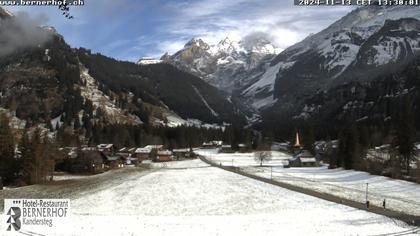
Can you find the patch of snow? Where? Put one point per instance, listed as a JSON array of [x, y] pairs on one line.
[[199, 200], [15, 122], [56, 121], [348, 184], [149, 61], [267, 79], [99, 100], [204, 101]]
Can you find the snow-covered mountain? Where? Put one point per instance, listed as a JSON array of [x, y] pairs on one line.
[[226, 65], [367, 42], [43, 81], [148, 61]]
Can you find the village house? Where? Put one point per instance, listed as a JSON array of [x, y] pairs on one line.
[[212, 144], [163, 156], [154, 147], [142, 154], [226, 149], [380, 154], [108, 149], [128, 156], [284, 146], [132, 161], [113, 162], [242, 147], [84, 162], [183, 153], [303, 159]]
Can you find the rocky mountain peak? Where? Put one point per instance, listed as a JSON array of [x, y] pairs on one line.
[[196, 42], [5, 13], [226, 64]]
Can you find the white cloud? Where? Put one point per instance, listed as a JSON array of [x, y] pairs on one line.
[[213, 20], [129, 28], [171, 46]]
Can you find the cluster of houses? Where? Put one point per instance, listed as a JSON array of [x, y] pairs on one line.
[[225, 148], [106, 156]]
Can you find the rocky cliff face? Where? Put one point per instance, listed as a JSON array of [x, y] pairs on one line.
[[227, 65], [367, 43]]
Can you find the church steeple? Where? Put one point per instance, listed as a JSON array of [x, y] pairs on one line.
[[297, 141]]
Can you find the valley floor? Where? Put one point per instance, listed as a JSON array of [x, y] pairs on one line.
[[192, 198], [400, 196]]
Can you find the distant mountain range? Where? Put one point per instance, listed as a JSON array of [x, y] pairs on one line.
[[358, 49], [225, 65], [321, 77]]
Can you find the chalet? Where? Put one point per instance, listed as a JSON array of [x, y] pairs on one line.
[[206, 145], [242, 147], [67, 152], [142, 154], [154, 147], [132, 161], [106, 148], [183, 153], [276, 146], [86, 148], [226, 149], [123, 153], [212, 144], [132, 150], [380, 154], [113, 162], [123, 150], [163, 156], [85, 162], [303, 159]]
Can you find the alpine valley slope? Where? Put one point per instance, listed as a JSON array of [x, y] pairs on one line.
[[341, 63], [366, 43], [44, 81]]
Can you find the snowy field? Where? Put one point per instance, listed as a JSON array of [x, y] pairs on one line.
[[348, 184], [242, 159], [191, 198]]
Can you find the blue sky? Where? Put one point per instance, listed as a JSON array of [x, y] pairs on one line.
[[130, 29]]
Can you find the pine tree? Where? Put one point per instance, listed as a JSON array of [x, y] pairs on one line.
[[8, 162], [349, 148], [406, 134], [26, 150]]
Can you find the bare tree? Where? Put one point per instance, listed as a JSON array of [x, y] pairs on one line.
[[262, 156]]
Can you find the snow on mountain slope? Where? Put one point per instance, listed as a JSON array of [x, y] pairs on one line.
[[148, 61], [15, 122], [91, 92], [225, 65], [205, 102], [353, 48]]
